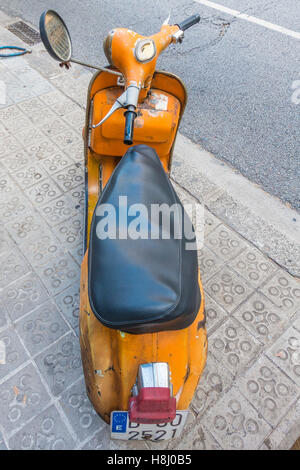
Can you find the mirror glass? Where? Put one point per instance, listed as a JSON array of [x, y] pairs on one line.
[[55, 36]]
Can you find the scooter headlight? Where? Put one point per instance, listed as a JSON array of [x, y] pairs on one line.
[[145, 50]]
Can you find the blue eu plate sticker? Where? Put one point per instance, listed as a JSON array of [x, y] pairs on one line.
[[119, 421]]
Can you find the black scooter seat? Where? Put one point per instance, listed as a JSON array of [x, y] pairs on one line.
[[140, 285]]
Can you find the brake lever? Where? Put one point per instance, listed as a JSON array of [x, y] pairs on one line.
[[128, 98]]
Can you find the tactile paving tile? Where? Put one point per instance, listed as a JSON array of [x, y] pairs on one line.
[[60, 364], [268, 389], [234, 422], [233, 346]]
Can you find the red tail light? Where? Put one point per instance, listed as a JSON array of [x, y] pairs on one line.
[[152, 405]]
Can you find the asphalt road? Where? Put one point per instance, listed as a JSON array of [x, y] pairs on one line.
[[241, 76]]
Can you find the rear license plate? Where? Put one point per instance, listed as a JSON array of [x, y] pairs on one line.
[[121, 428]]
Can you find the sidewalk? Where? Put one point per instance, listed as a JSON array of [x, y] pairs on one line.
[[249, 394]]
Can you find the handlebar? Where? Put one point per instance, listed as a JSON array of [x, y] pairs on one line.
[[130, 116], [194, 19], [137, 71]]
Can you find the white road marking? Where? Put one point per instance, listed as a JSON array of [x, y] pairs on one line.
[[252, 19]]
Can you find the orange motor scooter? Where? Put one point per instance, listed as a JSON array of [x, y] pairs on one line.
[[142, 322]]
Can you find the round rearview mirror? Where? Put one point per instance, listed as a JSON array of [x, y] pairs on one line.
[[55, 36]]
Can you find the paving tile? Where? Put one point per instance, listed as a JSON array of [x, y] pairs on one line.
[[283, 290], [30, 175], [42, 117], [75, 150], [58, 273], [6, 74], [10, 113], [224, 242], [296, 323], [60, 364], [210, 223], [215, 314], [2, 443], [262, 318], [77, 253], [29, 137], [253, 266], [12, 266], [286, 354], [41, 327], [233, 346], [28, 224], [17, 160], [18, 124], [24, 295], [268, 390], [54, 127], [31, 77], [228, 289], [6, 242], [58, 210], [41, 149], [287, 431], [3, 132], [15, 63], [70, 232], [209, 263], [45, 432], [43, 192], [80, 412], [19, 91], [22, 397], [68, 137], [2, 168], [15, 354], [52, 98], [8, 102], [56, 162], [30, 106], [7, 187], [76, 119], [214, 382], [69, 177], [68, 302], [42, 62], [40, 247], [78, 197], [69, 110], [13, 205], [184, 174], [3, 315], [235, 424]]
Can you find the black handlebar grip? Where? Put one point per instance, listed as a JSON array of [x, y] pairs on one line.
[[194, 19], [130, 116]]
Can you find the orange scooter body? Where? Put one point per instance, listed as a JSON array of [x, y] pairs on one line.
[[111, 357]]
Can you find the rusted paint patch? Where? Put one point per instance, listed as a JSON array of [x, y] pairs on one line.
[[187, 374], [201, 324]]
